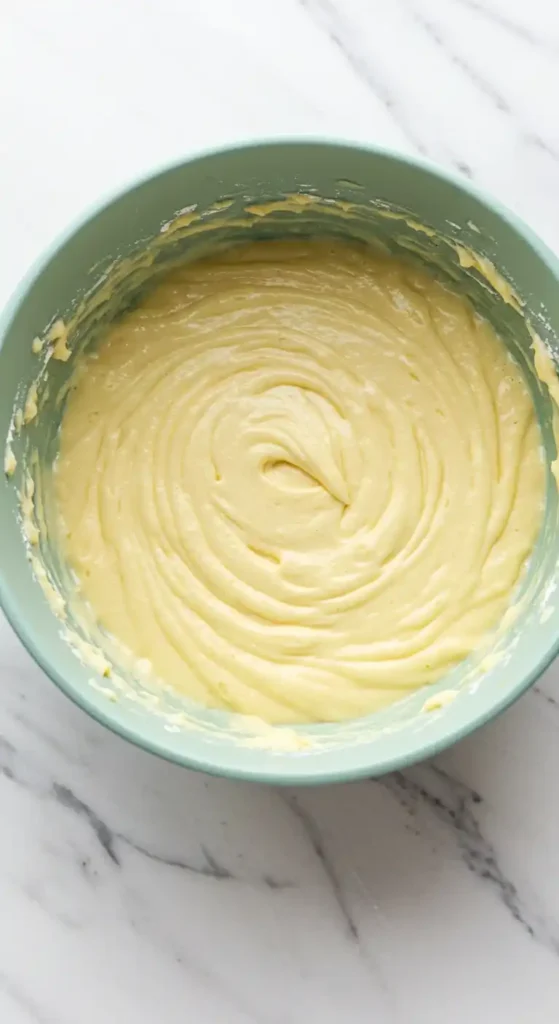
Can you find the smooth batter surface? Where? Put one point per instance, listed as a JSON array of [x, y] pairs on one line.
[[299, 480]]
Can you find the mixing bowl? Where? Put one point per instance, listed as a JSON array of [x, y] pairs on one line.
[[101, 265]]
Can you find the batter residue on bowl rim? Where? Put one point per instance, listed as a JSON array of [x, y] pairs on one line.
[[300, 480]]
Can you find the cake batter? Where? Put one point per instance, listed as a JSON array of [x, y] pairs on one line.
[[299, 480]]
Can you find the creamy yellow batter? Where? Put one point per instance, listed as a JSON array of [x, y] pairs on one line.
[[299, 480]]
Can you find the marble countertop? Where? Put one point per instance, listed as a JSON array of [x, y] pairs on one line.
[[132, 891]]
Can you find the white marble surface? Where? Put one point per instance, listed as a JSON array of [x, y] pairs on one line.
[[131, 891]]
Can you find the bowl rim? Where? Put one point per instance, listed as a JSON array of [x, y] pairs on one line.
[[287, 769]]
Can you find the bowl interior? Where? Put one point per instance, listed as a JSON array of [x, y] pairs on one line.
[[103, 266]]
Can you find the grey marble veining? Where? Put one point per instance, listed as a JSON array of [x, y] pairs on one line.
[[131, 890]]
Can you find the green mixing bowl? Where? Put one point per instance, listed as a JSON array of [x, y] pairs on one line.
[[403, 204]]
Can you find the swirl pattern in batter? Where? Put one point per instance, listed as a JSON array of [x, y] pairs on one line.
[[300, 479]]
